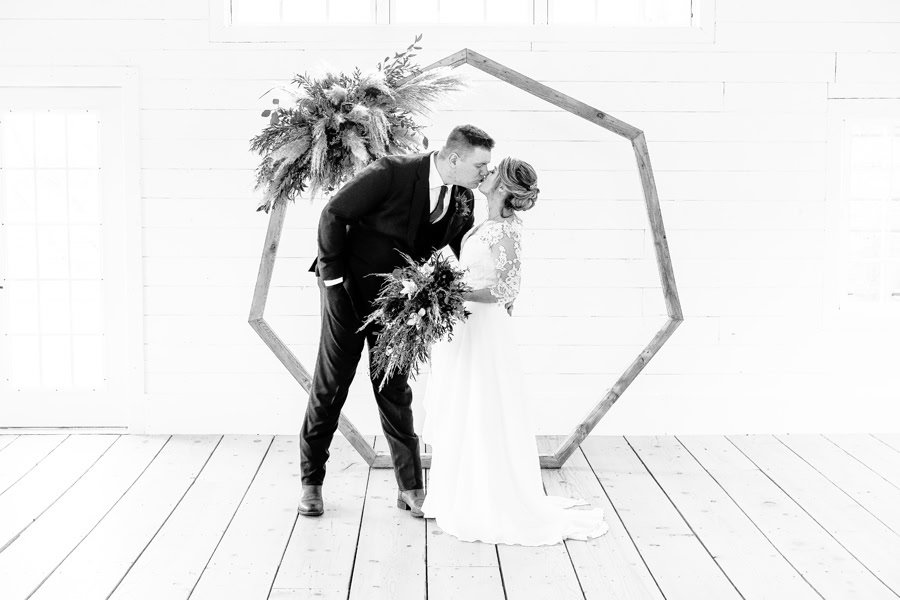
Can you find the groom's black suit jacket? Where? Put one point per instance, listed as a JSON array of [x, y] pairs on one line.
[[383, 209]]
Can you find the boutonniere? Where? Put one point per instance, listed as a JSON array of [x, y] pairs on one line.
[[462, 205]]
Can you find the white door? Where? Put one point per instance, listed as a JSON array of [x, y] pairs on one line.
[[64, 346]]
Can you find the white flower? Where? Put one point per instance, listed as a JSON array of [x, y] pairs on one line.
[[427, 269], [413, 320], [421, 312], [409, 287], [336, 94]]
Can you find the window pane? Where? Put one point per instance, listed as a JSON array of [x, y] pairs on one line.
[[55, 307], [85, 252], [866, 214], [668, 12], [617, 12], [84, 196], [53, 254], [893, 218], [462, 11], [50, 139], [254, 11], [82, 140], [51, 196], [17, 203], [862, 281], [415, 11], [24, 360], [895, 152], [893, 281], [578, 12], [22, 317], [17, 139], [893, 246], [56, 361], [351, 11], [519, 12], [864, 244], [21, 251], [874, 184], [870, 151], [87, 307], [88, 361], [305, 11]]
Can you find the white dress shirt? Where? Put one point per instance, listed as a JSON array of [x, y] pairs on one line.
[[435, 181]]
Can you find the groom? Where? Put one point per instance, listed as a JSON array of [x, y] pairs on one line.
[[412, 204]]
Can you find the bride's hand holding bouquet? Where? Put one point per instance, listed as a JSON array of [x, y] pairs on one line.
[[417, 306]]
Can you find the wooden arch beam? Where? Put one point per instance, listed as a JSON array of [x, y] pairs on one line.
[[663, 260]]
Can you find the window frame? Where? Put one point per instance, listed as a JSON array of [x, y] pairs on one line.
[[839, 112], [527, 37], [114, 90]]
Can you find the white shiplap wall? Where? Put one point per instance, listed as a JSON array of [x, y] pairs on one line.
[[737, 130]]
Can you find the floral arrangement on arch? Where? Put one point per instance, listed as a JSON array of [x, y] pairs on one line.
[[339, 123]]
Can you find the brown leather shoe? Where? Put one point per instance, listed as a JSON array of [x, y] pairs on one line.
[[311, 504], [411, 500]]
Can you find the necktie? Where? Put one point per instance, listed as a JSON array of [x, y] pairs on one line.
[[436, 213]]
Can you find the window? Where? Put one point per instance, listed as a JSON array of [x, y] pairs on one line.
[[70, 258], [51, 248], [465, 12], [493, 21], [612, 12], [871, 215]]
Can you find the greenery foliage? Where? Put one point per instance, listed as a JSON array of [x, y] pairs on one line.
[[339, 123], [416, 307]]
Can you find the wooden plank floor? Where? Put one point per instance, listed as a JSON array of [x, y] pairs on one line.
[[86, 516]]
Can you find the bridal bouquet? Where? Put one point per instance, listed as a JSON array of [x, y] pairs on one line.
[[417, 306]]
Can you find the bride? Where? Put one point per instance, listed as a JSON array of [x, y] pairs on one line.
[[485, 477]]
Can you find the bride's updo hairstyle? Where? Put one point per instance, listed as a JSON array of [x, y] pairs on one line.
[[520, 179]]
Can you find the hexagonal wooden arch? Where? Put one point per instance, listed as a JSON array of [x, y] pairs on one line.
[[667, 277]]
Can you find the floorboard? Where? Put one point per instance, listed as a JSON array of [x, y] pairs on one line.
[[136, 517], [246, 560], [609, 567], [22, 456], [458, 569], [828, 567], [6, 439], [736, 545], [865, 537], [390, 557], [865, 486], [39, 488], [41, 547], [681, 564], [170, 563], [888, 439], [91, 570], [319, 557], [874, 454]]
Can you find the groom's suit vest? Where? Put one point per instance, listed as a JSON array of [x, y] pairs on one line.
[[378, 214], [436, 233]]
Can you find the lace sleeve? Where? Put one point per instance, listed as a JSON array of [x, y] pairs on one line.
[[505, 240]]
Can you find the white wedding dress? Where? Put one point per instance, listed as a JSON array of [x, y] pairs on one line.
[[485, 479]]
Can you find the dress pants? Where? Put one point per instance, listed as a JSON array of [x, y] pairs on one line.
[[340, 348]]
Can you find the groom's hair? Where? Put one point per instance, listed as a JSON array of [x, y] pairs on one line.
[[463, 138]]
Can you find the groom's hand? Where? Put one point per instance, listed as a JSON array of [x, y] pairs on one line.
[[338, 297]]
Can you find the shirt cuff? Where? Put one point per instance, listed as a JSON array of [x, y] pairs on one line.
[[331, 282]]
